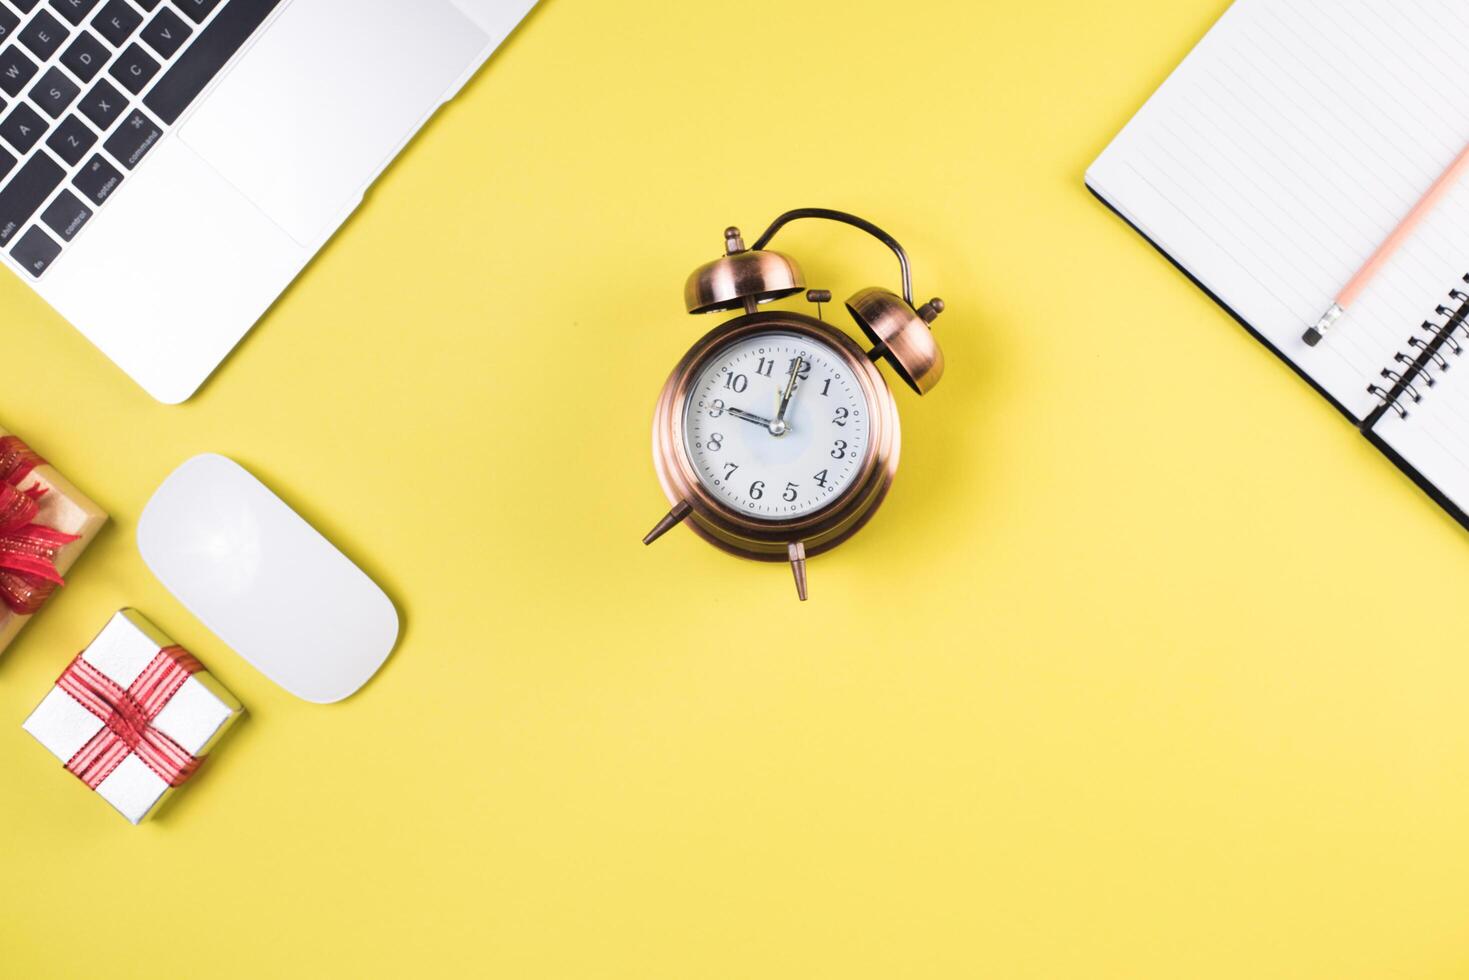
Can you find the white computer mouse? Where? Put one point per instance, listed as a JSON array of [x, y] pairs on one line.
[[266, 582]]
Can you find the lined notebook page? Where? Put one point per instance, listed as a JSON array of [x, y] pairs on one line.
[[1285, 149]]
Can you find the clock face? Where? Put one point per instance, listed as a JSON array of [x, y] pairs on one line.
[[760, 462]]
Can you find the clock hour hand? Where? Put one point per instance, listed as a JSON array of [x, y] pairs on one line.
[[750, 417]]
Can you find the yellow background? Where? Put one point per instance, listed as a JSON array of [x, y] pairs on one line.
[[1149, 667]]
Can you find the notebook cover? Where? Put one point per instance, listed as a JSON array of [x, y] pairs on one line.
[[1365, 427], [1423, 482]]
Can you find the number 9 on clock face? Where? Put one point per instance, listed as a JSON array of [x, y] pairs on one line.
[[776, 426]]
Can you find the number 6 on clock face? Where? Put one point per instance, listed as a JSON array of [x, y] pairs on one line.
[[741, 445]]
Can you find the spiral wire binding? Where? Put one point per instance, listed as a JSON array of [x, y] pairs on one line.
[[1416, 365]]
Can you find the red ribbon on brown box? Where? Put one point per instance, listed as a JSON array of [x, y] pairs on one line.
[[28, 573]]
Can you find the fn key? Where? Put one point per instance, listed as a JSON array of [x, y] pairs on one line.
[[35, 252]]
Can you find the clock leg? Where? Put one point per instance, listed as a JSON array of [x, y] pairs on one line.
[[671, 520], [797, 551]]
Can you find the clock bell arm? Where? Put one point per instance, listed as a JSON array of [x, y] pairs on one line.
[[842, 217]]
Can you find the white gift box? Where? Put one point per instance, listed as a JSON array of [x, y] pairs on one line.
[[133, 716]]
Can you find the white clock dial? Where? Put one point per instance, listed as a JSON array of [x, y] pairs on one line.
[[753, 459]]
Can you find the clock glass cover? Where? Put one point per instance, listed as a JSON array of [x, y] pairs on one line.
[[776, 426]]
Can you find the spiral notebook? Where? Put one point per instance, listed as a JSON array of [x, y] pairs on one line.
[[1272, 163]]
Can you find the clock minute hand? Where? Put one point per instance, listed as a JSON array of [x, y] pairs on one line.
[[785, 398]]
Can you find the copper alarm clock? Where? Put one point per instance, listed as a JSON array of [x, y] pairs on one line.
[[776, 437]]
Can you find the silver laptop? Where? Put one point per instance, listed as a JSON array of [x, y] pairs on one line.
[[167, 167]]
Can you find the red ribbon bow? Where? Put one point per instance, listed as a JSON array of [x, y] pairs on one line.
[[28, 573], [127, 717]]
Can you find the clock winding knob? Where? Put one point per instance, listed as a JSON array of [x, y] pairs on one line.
[[930, 311]]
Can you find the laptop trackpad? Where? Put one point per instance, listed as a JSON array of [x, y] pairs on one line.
[[321, 103]]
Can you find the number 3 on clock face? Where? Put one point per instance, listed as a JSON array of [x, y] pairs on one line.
[[776, 426]]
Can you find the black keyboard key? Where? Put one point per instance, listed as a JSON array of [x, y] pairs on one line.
[[86, 56], [7, 163], [74, 11], [133, 139], [26, 192], [15, 70], [116, 22], [66, 215], [166, 33], [8, 23], [43, 35], [134, 68], [104, 105], [197, 10], [197, 66], [72, 139], [148, 5], [98, 179], [23, 128], [54, 93], [26, 6], [36, 251]]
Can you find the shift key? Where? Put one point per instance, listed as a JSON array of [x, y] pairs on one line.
[[26, 192]]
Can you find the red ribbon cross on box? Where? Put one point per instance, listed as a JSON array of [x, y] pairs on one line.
[[127, 718]]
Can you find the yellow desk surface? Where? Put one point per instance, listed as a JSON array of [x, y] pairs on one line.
[[1149, 667]]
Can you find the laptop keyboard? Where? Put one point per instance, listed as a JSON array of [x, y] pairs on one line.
[[87, 88]]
